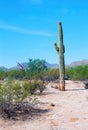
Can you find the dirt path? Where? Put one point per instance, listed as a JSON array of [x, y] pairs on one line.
[[67, 110]]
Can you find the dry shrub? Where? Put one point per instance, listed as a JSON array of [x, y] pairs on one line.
[[15, 95]]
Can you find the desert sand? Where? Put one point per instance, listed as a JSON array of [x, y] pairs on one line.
[[67, 110]]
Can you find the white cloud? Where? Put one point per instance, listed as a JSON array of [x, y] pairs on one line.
[[25, 31]]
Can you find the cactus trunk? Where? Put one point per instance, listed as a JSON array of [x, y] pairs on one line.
[[61, 51]]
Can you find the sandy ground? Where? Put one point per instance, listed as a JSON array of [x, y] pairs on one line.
[[67, 110]]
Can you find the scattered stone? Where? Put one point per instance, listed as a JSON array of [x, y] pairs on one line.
[[53, 105]]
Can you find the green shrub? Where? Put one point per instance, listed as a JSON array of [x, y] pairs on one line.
[[14, 92], [34, 85], [78, 72], [41, 85]]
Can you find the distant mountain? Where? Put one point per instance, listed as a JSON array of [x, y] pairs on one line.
[[73, 64], [25, 65], [51, 65], [78, 63], [3, 68]]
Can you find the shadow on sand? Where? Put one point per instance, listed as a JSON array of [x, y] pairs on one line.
[[80, 89], [22, 112]]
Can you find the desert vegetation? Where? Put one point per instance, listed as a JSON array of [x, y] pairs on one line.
[[48, 74], [37, 69], [18, 87], [17, 96], [77, 73]]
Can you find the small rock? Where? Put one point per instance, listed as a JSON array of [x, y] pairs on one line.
[[52, 104]]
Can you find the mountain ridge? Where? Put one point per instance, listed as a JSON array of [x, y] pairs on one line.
[[49, 65], [79, 63]]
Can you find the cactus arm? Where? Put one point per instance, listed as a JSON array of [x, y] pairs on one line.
[[56, 47]]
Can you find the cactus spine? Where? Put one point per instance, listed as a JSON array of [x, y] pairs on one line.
[[61, 51]]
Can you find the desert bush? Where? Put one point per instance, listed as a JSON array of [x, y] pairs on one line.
[[12, 94], [78, 72], [29, 86], [50, 75], [41, 85], [34, 85], [15, 92]]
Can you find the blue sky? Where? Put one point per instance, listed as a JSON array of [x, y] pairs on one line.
[[28, 29]]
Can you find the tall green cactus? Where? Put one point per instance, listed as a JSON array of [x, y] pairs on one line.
[[61, 51]]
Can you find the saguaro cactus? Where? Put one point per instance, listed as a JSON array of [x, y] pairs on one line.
[[61, 51]]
